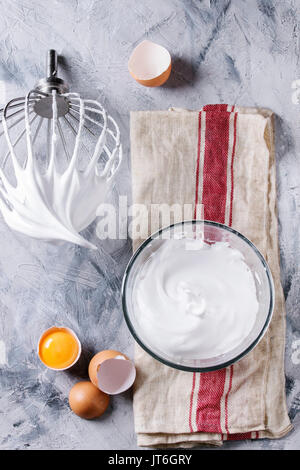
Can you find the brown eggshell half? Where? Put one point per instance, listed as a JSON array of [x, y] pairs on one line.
[[98, 359], [150, 64], [87, 401], [116, 375]]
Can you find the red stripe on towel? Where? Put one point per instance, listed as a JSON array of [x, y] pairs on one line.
[[232, 159], [215, 163], [226, 399], [239, 436], [191, 402], [211, 389], [230, 223], [209, 398], [198, 163], [195, 214], [216, 108], [217, 128]]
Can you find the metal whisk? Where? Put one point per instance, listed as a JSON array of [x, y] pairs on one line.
[[59, 153]]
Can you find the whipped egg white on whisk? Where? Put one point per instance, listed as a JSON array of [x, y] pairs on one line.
[[196, 300]]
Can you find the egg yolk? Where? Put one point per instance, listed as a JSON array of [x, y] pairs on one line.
[[59, 349]]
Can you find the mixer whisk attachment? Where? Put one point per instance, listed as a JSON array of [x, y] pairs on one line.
[[59, 153]]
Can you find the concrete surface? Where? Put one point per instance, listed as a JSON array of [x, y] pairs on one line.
[[237, 52]]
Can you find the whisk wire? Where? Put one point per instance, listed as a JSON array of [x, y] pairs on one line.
[[60, 200]]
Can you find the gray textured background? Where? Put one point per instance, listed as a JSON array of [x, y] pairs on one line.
[[237, 52]]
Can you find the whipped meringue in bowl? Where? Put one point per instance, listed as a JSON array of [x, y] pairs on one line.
[[197, 295]]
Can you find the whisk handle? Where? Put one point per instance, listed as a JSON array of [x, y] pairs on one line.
[[52, 82], [51, 63]]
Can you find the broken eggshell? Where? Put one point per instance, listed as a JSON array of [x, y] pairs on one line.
[[150, 64], [112, 372]]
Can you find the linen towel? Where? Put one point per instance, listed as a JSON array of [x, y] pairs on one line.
[[222, 157]]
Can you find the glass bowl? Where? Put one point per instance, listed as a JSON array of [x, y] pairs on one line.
[[210, 232]]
